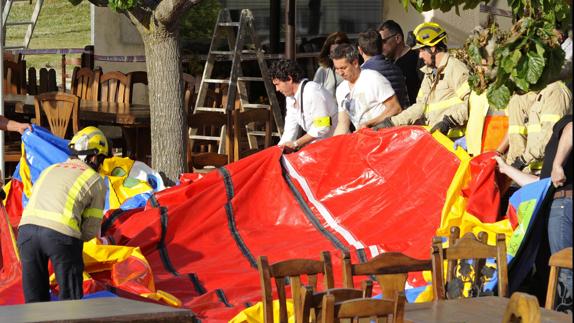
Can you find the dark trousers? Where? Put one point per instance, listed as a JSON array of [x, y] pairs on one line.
[[37, 245]]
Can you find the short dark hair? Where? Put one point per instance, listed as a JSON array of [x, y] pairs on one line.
[[347, 51], [284, 69], [370, 42], [393, 27]]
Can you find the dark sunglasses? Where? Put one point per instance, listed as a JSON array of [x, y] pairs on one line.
[[384, 40]]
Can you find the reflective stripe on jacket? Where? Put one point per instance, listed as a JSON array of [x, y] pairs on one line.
[[444, 94], [69, 198]]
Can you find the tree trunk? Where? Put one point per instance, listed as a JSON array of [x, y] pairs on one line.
[[168, 117]]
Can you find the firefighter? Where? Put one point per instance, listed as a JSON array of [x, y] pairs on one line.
[[65, 209], [442, 101], [531, 117]]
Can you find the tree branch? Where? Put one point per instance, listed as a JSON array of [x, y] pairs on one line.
[[99, 3], [168, 11]]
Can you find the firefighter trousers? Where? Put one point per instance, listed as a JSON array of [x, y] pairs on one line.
[[37, 245]]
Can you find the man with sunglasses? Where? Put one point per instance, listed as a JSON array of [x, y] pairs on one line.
[[442, 101], [407, 59], [365, 97]]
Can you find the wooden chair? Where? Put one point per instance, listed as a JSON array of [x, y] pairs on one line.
[[14, 77], [137, 77], [457, 254], [241, 120], [560, 259], [47, 81], [86, 83], [311, 302], [382, 309], [206, 140], [189, 92], [292, 269], [522, 308], [60, 109], [390, 270], [115, 87]]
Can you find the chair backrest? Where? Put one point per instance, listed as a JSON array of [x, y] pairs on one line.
[[459, 254], [292, 269], [14, 77], [60, 109], [115, 87], [189, 92], [383, 309], [47, 81], [137, 77], [86, 82], [560, 259], [241, 121], [206, 135], [390, 270], [522, 308], [311, 302]]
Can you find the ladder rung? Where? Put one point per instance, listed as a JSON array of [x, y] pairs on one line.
[[229, 24], [19, 23], [262, 133], [218, 81], [255, 106], [199, 137], [208, 109], [231, 53], [250, 79]]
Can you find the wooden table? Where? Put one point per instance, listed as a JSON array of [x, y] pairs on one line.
[[134, 119], [479, 309], [108, 309]]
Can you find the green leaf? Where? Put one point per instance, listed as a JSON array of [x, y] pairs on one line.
[[510, 61], [474, 53], [535, 67], [522, 84], [474, 82], [498, 97]]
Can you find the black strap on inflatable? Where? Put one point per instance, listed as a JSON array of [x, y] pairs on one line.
[[107, 223], [309, 213], [221, 295], [362, 255], [197, 284], [161, 244], [231, 218], [153, 201]]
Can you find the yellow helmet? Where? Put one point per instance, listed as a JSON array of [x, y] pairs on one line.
[[429, 34], [89, 141]]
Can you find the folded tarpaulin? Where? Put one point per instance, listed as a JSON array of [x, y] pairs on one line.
[[368, 192]]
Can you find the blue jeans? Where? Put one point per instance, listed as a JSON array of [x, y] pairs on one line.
[[560, 237]]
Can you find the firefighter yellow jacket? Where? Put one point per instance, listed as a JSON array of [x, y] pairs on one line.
[[445, 93]]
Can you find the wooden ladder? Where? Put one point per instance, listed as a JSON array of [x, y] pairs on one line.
[[30, 24], [240, 45]]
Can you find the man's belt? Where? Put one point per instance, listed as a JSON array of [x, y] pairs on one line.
[[563, 194]]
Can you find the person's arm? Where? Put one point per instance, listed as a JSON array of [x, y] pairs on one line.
[[564, 149], [11, 125], [343, 124], [413, 113], [515, 174], [94, 212], [291, 127], [503, 147], [392, 107]]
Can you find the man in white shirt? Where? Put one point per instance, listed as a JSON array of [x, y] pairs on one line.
[[365, 97], [309, 106]]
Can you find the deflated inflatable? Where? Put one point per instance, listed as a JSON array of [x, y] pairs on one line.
[[369, 192]]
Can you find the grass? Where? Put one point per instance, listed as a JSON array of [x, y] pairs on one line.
[[60, 25]]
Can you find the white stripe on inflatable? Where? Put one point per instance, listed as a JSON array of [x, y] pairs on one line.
[[348, 236]]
